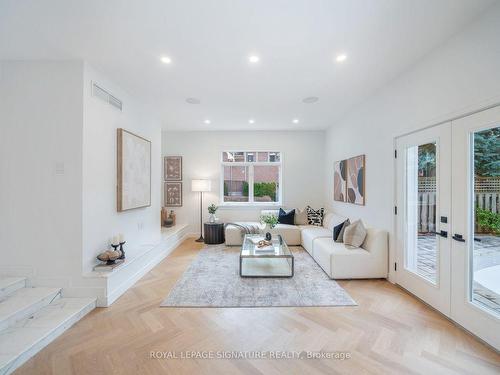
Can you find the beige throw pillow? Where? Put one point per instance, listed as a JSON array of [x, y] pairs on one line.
[[355, 234], [300, 217]]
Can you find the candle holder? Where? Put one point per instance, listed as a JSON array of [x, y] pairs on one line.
[[122, 251]]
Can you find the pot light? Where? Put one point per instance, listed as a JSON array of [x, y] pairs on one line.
[[254, 59], [295, 120], [340, 58], [251, 121], [310, 99], [166, 59], [207, 122]]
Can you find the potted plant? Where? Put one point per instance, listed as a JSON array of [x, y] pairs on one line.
[[269, 220], [212, 209]]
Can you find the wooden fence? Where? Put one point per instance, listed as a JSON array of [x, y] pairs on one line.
[[486, 193]]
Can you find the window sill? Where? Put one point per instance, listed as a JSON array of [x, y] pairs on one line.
[[249, 206]]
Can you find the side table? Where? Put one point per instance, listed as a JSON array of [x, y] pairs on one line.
[[214, 233]]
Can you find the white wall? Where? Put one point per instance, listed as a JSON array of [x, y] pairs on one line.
[[303, 169], [101, 221], [41, 209], [461, 76]]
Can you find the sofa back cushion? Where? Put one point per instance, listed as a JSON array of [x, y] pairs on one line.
[[315, 217], [286, 217], [376, 241], [331, 220], [301, 217], [355, 234], [270, 212]]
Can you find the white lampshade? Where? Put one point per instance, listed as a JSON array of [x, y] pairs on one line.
[[201, 185]]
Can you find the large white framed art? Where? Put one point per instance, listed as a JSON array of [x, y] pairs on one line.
[[133, 171]]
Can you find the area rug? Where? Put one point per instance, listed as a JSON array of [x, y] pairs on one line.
[[212, 280]]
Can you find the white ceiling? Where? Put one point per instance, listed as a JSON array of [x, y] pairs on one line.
[[209, 42]]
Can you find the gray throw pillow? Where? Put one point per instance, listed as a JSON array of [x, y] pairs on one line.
[[340, 237], [355, 234], [300, 217]]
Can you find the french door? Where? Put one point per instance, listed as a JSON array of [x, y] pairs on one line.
[[448, 220], [475, 267], [423, 210]]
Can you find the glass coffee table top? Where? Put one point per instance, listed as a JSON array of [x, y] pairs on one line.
[[277, 261]]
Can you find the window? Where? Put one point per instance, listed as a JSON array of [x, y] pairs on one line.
[[251, 177]]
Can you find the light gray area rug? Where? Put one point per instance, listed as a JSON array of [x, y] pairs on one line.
[[212, 280]]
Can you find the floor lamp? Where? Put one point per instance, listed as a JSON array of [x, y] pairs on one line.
[[201, 186]]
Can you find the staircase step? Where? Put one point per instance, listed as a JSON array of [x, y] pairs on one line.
[[9, 285], [20, 342], [24, 302]]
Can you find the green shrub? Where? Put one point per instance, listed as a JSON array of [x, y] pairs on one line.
[[488, 221], [265, 189]]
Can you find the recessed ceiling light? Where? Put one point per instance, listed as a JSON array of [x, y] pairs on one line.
[[193, 100], [251, 121], [295, 120], [166, 59], [310, 99], [207, 122], [340, 58], [254, 59]]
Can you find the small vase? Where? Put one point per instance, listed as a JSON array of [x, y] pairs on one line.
[[212, 219]]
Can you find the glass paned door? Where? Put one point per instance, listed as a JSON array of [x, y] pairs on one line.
[[423, 206], [422, 246], [485, 249], [475, 260]]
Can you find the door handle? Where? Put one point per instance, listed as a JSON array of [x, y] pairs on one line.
[[458, 237], [442, 233]]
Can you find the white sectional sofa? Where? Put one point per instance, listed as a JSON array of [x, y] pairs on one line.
[[336, 259]]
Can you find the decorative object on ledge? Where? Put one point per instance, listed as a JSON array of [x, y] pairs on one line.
[[356, 180], [133, 171], [201, 186], [172, 194], [167, 217], [339, 180], [109, 256], [172, 168], [104, 267], [212, 209]]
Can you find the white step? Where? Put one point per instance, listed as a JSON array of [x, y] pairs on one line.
[[26, 338], [24, 302], [9, 285]]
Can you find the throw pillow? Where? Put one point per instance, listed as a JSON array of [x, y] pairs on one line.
[[301, 217], [340, 237], [315, 217], [286, 217], [355, 234]]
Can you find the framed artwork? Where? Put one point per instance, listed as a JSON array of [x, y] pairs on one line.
[[339, 180], [172, 194], [356, 180], [133, 171], [172, 168]]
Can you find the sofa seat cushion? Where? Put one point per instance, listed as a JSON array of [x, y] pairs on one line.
[[234, 235], [311, 233], [289, 233], [344, 262]]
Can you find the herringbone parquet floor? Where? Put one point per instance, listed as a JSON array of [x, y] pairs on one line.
[[390, 332]]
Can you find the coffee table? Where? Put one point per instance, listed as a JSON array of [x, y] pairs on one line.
[[275, 263]]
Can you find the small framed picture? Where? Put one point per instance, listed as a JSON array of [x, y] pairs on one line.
[[172, 194], [172, 168]]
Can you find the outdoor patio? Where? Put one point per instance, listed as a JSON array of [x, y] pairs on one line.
[[486, 255]]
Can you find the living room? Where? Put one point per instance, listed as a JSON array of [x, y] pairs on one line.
[[250, 187]]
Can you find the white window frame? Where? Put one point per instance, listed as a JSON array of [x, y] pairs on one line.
[[250, 165]]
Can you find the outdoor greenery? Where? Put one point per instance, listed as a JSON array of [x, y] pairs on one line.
[[488, 221], [271, 220], [487, 153], [261, 189], [427, 160]]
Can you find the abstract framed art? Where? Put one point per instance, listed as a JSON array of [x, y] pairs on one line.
[[173, 194], [339, 181], [133, 171], [172, 168], [356, 180]]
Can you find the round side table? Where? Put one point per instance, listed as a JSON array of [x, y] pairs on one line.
[[214, 233]]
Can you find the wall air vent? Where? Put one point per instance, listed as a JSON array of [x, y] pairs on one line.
[[102, 94]]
